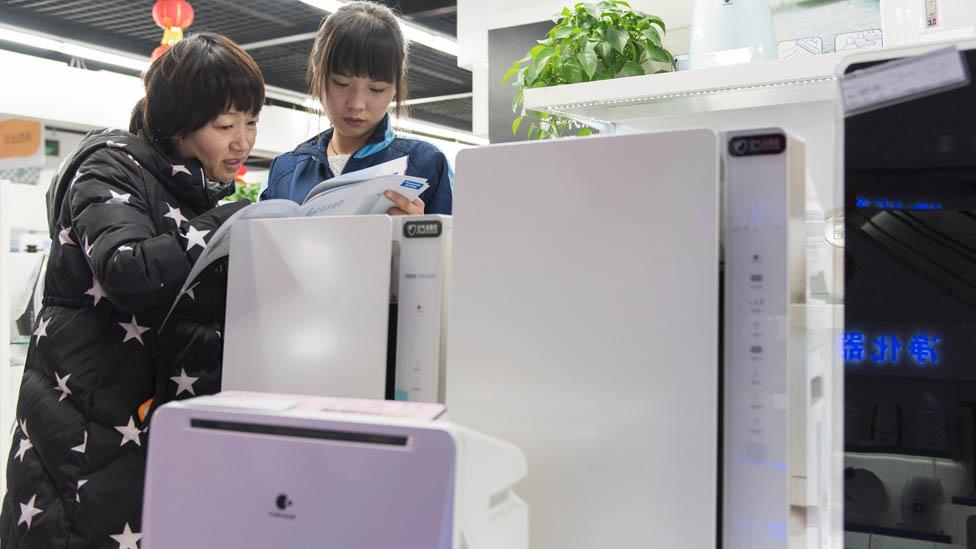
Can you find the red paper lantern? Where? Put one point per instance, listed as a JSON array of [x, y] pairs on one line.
[[172, 13]]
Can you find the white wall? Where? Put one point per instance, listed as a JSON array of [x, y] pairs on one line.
[[477, 17]]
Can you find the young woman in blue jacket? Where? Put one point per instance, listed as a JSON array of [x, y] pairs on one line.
[[356, 69]]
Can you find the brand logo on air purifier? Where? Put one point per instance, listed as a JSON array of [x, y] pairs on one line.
[[422, 229], [752, 145], [282, 502]]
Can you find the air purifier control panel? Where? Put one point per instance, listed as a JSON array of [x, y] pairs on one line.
[[757, 381]]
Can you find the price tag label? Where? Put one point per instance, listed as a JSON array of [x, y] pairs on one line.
[[903, 80], [20, 138]]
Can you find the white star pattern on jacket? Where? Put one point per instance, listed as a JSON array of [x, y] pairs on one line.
[[88, 248], [189, 291], [25, 444], [118, 198], [125, 249], [77, 175], [194, 237], [133, 330], [28, 512], [64, 237], [23, 427], [41, 330], [95, 291], [62, 386], [78, 490], [114, 144], [175, 215], [84, 444], [127, 539], [130, 433], [184, 383], [134, 161], [177, 168]]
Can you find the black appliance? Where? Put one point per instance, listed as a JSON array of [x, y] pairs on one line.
[[910, 310]]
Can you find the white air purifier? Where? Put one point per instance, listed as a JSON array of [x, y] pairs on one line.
[[726, 32]]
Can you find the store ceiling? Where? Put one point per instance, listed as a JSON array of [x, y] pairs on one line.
[[128, 26]]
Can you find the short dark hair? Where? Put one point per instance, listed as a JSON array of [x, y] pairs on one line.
[[195, 81], [360, 39]]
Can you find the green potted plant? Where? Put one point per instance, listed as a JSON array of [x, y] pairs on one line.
[[244, 190], [590, 41]]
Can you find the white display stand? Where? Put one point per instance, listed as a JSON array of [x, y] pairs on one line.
[[21, 207]]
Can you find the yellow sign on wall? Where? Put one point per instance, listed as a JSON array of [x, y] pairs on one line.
[[20, 138]]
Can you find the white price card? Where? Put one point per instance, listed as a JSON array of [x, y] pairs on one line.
[[903, 80]]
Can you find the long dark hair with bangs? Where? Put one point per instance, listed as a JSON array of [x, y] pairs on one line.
[[361, 39], [195, 81]]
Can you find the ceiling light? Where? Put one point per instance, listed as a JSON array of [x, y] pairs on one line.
[[432, 40], [40, 41], [327, 5], [412, 125], [411, 31]]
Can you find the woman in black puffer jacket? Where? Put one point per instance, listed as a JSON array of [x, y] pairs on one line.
[[129, 213]]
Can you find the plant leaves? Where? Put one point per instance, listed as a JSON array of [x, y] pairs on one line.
[[517, 100], [656, 53], [588, 62], [654, 67], [562, 31], [510, 73], [538, 66], [618, 38], [593, 40], [631, 69], [651, 34], [571, 71], [655, 20], [585, 132], [516, 123]]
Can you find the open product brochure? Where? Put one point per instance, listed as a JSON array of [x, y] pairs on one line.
[[354, 193]]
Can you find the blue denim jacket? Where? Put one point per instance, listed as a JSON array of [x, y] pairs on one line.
[[294, 173]]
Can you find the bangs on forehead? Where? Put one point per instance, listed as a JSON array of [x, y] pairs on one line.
[[221, 84], [241, 93], [366, 50]]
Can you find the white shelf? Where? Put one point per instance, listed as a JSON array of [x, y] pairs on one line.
[[748, 85], [782, 83]]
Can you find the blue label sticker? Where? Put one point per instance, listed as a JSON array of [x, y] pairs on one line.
[[412, 185]]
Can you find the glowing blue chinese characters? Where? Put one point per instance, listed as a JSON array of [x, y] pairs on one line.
[[886, 348]]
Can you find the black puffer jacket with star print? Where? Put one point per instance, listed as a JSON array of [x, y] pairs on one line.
[[126, 226]]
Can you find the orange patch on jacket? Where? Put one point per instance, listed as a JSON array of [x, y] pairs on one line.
[[144, 409]]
